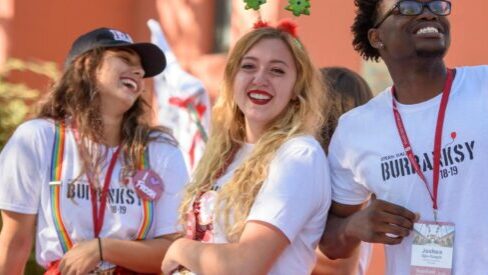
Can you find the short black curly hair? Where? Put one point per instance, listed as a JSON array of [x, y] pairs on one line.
[[366, 14]]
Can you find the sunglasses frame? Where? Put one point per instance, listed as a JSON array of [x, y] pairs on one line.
[[424, 5]]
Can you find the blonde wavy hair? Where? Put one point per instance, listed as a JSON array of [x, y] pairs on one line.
[[303, 115]]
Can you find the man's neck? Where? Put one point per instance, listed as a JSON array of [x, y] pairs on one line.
[[418, 82]]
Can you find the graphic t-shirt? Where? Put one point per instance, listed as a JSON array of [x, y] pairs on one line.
[[294, 198], [25, 165], [366, 156]]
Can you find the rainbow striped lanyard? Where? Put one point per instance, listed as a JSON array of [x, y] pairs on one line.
[[55, 191]]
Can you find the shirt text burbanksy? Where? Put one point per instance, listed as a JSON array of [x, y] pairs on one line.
[[117, 198], [398, 165]]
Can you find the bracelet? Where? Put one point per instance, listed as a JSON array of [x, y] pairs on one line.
[[100, 248]]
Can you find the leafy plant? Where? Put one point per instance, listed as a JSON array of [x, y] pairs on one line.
[[15, 99]]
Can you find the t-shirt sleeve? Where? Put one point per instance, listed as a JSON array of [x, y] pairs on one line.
[[172, 170], [22, 171], [345, 189], [296, 189]]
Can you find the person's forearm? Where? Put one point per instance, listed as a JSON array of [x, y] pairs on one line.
[[347, 266], [204, 258], [13, 255], [337, 241], [141, 256]]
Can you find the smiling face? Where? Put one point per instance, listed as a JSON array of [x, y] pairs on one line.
[[263, 85], [119, 81], [404, 36]]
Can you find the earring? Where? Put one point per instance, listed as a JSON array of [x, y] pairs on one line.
[[380, 45]]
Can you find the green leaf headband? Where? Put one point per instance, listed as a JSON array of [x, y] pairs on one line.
[[297, 7]]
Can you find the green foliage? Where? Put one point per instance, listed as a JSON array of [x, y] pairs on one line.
[[254, 4], [15, 97], [14, 107], [298, 7]]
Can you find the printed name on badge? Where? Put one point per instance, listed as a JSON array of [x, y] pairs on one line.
[[432, 248]]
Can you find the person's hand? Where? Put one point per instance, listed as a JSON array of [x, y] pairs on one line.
[[82, 258], [381, 222]]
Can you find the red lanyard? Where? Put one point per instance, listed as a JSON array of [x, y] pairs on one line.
[[437, 140], [99, 213]]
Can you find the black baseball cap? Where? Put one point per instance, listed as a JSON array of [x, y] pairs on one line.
[[152, 57]]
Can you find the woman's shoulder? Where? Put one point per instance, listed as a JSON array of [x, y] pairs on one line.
[[301, 141], [32, 136], [167, 158], [162, 141], [35, 128], [301, 146], [163, 146]]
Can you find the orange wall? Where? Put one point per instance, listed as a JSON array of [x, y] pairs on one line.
[[326, 33], [44, 30], [6, 15], [469, 21]]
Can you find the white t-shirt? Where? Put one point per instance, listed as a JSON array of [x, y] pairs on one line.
[[295, 198], [365, 252], [25, 165], [366, 156]]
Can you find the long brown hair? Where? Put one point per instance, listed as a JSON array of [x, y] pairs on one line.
[[75, 97], [346, 90]]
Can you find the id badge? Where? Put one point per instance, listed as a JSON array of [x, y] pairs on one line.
[[207, 207], [432, 248]]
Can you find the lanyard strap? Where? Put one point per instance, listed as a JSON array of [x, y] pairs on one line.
[[198, 231], [57, 159], [437, 139], [98, 213]]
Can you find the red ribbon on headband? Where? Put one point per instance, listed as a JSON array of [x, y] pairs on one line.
[[285, 25]]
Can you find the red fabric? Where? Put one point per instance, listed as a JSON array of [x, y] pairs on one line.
[[176, 101], [261, 24], [123, 271], [53, 269], [288, 26]]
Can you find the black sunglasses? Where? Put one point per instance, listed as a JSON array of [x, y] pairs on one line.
[[412, 8]]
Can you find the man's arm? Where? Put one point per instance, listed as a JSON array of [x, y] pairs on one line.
[[15, 241], [379, 222]]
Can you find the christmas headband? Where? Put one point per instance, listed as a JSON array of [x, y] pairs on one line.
[[284, 25], [297, 7]]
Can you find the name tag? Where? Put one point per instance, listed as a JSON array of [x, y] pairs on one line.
[[432, 248]]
